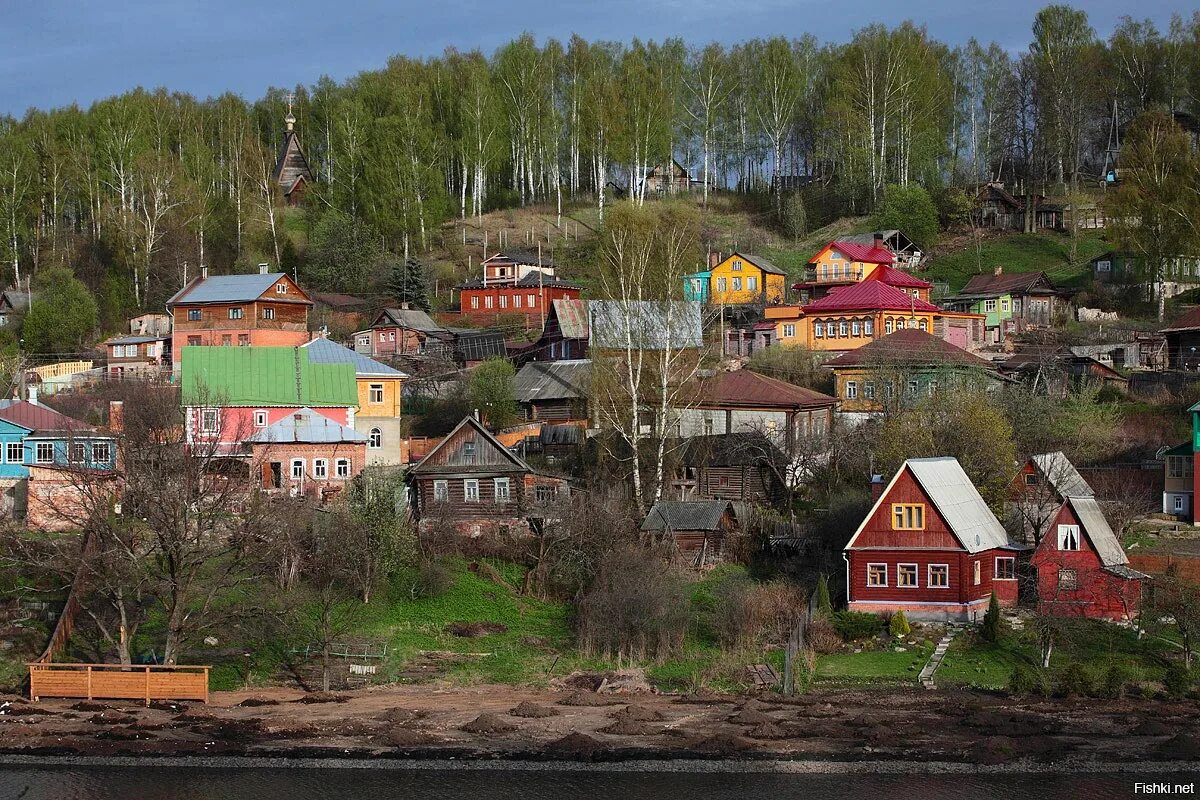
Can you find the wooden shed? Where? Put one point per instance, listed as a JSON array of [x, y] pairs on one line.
[[698, 528]]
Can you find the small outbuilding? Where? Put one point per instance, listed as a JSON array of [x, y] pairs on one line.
[[698, 529]]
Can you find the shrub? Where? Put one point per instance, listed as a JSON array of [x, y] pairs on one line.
[[822, 637], [1114, 681], [991, 621], [855, 625], [898, 626], [1025, 680], [1177, 680], [824, 604], [1075, 681], [433, 579], [745, 612]]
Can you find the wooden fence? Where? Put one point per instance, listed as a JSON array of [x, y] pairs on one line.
[[118, 682]]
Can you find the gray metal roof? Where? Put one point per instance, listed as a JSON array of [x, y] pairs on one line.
[[324, 351], [553, 380], [1091, 518], [306, 427], [411, 318], [681, 515], [134, 339], [1061, 474], [227, 288], [651, 324], [958, 501]]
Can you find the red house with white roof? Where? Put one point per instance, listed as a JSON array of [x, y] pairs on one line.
[[930, 547]]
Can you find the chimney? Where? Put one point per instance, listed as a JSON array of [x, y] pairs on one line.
[[879, 238], [116, 415], [204, 273], [33, 392], [998, 271], [404, 306], [876, 487], [263, 267]]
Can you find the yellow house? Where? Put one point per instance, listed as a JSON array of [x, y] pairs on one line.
[[746, 279], [790, 329], [842, 262], [379, 395], [380, 399]]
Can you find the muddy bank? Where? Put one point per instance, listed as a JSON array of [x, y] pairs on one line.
[[843, 728]]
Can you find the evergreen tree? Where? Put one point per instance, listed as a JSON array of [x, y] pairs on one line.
[[898, 626], [991, 621], [824, 604], [408, 284]]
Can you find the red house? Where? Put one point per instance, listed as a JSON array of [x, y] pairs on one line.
[[931, 547], [531, 296], [1082, 570]]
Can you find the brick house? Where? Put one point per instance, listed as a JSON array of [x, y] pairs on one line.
[[476, 485], [306, 453], [930, 547], [266, 309]]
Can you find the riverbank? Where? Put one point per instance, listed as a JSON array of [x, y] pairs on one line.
[[834, 730]]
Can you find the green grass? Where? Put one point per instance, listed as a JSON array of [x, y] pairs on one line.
[[874, 666], [1019, 252], [984, 665]]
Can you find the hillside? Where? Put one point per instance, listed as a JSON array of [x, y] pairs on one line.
[[959, 256]]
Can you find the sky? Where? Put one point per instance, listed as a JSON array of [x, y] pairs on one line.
[[57, 52]]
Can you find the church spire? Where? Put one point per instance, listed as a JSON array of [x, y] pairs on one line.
[[290, 119]]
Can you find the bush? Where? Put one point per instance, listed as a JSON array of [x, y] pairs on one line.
[[1026, 680], [855, 625], [434, 578], [991, 621], [638, 607], [1115, 679], [745, 613], [898, 626], [822, 637], [1177, 680], [1075, 681], [824, 604]]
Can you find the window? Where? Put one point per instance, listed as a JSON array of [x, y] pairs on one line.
[[914, 386], [487, 301], [708, 426], [789, 330], [235, 313], [906, 576], [532, 298], [297, 469], [193, 315], [1016, 305], [45, 453], [517, 301], [281, 288], [737, 266], [737, 283], [923, 325], [819, 331], [210, 418], [502, 489], [752, 283], [989, 306], [977, 576], [474, 301], [471, 490], [1006, 569], [78, 452], [14, 453], [869, 390], [1032, 479], [1104, 265], [441, 491], [1004, 306], [851, 390], [829, 330], [375, 439], [1178, 500], [876, 574], [243, 340], [375, 393], [1068, 537], [194, 341], [544, 494], [391, 336], [320, 468], [1068, 580], [268, 312], [856, 328], [504, 301], [1180, 466], [939, 576], [469, 448], [869, 327], [843, 329], [101, 453], [227, 340], [721, 283], [119, 351], [908, 516], [260, 419], [888, 326], [342, 467]]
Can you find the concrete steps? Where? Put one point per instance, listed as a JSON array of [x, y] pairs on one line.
[[935, 660]]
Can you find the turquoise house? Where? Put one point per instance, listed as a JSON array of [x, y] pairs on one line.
[[695, 286], [12, 451]]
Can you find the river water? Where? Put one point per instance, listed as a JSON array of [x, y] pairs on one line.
[[138, 782]]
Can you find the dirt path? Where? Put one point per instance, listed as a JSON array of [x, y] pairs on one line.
[[441, 721]]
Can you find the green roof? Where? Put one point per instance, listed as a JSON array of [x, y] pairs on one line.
[[264, 376], [1184, 449]]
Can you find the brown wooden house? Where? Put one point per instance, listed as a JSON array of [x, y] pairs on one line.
[[698, 529], [471, 482], [555, 391], [737, 466], [565, 335]]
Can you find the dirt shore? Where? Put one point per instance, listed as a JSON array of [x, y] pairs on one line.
[[502, 722]]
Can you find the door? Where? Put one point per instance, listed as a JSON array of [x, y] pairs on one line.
[[957, 335]]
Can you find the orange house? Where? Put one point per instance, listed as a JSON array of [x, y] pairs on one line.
[[262, 310], [852, 316], [841, 263]]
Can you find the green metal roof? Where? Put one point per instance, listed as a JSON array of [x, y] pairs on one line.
[[1184, 449], [264, 376]]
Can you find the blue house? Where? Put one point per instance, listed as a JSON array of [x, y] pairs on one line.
[[695, 286]]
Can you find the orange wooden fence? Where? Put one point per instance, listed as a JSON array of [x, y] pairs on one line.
[[118, 682]]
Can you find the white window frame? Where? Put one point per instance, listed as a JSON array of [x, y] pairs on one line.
[[8, 453], [916, 576], [818, 331], [372, 390], [487, 301], [474, 301], [989, 306], [856, 329], [281, 288], [517, 300], [268, 312], [77, 452], [996, 568], [441, 491], [236, 312], [885, 574], [1069, 535], [210, 413], [532, 298], [502, 488], [470, 487], [789, 330], [260, 419], [737, 283], [118, 351], [830, 330], [297, 462], [721, 284], [869, 327], [868, 390], [375, 439], [320, 469], [101, 452], [503, 301], [751, 283], [943, 569], [41, 449], [977, 572], [1179, 502], [843, 329], [851, 390], [341, 468]]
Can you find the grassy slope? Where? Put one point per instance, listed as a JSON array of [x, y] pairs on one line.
[[1018, 252]]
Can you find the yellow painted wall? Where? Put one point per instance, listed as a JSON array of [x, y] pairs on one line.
[[390, 407], [860, 378], [879, 321], [727, 271], [829, 268]]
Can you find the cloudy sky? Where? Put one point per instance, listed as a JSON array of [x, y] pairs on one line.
[[55, 52]]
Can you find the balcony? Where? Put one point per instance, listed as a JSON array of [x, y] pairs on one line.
[[835, 273]]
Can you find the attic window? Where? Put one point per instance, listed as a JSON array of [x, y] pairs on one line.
[[281, 288], [737, 266], [469, 448], [908, 516], [1068, 537], [1031, 479]]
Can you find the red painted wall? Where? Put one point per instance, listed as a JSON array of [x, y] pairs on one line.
[[237, 424], [1101, 595]]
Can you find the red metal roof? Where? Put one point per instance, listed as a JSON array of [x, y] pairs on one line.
[[41, 419], [1188, 322], [745, 388], [868, 253], [894, 277], [869, 296]]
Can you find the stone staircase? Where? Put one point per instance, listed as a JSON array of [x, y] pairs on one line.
[[935, 660]]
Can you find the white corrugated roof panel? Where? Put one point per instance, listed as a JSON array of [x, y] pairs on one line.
[[959, 502]]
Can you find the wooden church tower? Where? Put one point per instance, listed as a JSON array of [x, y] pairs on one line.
[[292, 172]]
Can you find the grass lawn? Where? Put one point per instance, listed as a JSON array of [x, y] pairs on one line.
[[874, 666], [985, 665], [1019, 252]]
